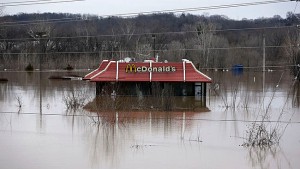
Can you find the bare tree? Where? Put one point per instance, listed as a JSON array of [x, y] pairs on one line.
[[292, 52], [219, 54], [176, 51], [127, 29], [1, 11], [204, 37], [40, 34], [83, 44], [201, 39]]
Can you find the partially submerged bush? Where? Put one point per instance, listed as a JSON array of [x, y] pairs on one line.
[[262, 135], [29, 67], [3, 79], [69, 67], [75, 99], [259, 136], [19, 101]]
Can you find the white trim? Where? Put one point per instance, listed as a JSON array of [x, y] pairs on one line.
[[117, 71], [183, 65], [103, 70], [150, 72], [199, 71], [97, 68], [92, 72]]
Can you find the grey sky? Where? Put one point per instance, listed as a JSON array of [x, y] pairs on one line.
[[112, 7]]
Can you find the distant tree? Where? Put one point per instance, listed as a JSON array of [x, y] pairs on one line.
[[1, 11], [88, 39], [292, 51], [175, 52], [39, 42], [291, 19], [219, 53], [200, 38], [2, 35]]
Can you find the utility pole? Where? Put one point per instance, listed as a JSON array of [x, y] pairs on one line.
[[154, 37], [40, 36], [264, 68], [264, 53], [297, 68]]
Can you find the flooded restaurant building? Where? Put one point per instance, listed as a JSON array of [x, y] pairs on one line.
[[150, 78]]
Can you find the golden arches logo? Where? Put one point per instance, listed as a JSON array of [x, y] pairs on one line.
[[130, 68]]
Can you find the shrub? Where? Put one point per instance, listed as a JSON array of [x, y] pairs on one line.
[[29, 67], [69, 67]]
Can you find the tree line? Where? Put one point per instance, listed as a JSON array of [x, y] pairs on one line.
[[55, 40]]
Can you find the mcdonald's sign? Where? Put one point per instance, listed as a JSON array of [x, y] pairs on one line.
[[130, 68]]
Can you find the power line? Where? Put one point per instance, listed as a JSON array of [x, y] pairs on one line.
[[20, 23], [296, 7], [148, 34], [204, 68], [168, 11], [134, 51], [206, 8], [20, 2], [251, 47], [37, 2]]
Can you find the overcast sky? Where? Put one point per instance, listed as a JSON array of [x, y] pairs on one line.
[[112, 7]]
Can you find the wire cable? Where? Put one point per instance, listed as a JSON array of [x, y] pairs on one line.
[[20, 2], [206, 8], [147, 34], [296, 7], [134, 51], [20, 23], [182, 10], [38, 2]]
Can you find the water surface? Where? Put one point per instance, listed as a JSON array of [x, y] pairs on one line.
[[43, 133]]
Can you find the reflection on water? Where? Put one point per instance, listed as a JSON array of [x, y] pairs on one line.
[[296, 94], [269, 157], [66, 137]]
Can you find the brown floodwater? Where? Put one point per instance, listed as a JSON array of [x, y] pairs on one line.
[[39, 130]]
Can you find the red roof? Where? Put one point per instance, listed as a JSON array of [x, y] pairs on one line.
[[102, 66], [116, 71]]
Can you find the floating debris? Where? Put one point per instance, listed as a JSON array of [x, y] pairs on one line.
[[137, 146], [68, 77], [3, 80]]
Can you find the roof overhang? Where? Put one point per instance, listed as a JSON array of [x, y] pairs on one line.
[[117, 71]]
